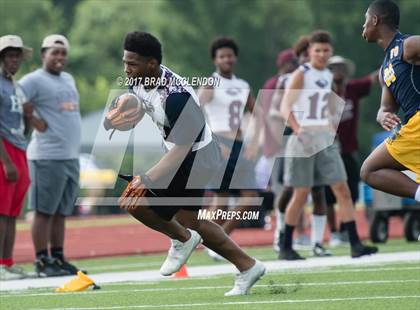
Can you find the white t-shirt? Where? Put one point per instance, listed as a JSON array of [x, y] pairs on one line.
[[224, 112], [311, 107]]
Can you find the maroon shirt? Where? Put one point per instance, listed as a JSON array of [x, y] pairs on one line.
[[347, 129], [270, 146]]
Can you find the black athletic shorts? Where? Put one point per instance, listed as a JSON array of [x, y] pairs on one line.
[[206, 160]]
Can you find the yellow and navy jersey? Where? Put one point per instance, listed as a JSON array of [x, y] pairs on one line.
[[401, 77]]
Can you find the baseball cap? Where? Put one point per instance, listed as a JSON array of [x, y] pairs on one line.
[[285, 56], [55, 40], [15, 41], [340, 60]]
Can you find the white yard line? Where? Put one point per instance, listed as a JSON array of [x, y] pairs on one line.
[[233, 303], [195, 288], [300, 271], [121, 266], [205, 271]]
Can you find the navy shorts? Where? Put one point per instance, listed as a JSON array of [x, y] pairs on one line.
[[54, 187]]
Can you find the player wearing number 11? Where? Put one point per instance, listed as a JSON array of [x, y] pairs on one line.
[[305, 106]]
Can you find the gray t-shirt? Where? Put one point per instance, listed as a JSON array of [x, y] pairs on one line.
[[56, 101], [11, 119]]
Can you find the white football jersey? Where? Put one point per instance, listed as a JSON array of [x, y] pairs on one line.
[[224, 112], [311, 107], [155, 103]]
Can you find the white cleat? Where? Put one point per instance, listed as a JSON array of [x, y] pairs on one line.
[[215, 256], [245, 280], [179, 253]]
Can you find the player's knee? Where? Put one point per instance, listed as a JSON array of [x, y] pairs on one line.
[[300, 196], [365, 171], [342, 191]]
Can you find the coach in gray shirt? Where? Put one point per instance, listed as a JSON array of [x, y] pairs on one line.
[[53, 155]]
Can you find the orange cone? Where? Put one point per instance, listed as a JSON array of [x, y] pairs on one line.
[[182, 273]]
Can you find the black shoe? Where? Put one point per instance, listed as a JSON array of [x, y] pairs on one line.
[[72, 269], [320, 251], [360, 250], [48, 267], [290, 254]]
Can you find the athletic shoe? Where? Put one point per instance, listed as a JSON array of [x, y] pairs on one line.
[[18, 270], [72, 269], [179, 253], [290, 254], [360, 250], [246, 279], [215, 256], [6, 274], [320, 251], [303, 242], [335, 240], [49, 267]]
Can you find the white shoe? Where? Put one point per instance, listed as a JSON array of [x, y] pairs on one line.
[[319, 251], [335, 240], [19, 271], [215, 256], [245, 280], [6, 274], [179, 253]]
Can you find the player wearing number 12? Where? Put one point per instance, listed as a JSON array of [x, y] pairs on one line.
[[309, 93]]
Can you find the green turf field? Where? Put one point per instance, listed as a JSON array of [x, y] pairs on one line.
[[153, 261], [380, 286]]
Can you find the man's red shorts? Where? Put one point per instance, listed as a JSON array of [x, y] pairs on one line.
[[12, 194]]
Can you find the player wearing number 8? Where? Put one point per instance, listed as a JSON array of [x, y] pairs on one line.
[[306, 107], [225, 105]]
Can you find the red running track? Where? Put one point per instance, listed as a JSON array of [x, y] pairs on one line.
[[135, 238]]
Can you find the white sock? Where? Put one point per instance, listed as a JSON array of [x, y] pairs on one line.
[[280, 221], [417, 194], [317, 228]]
